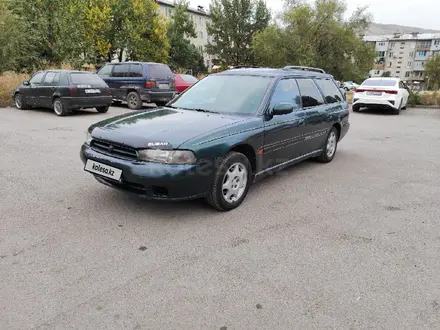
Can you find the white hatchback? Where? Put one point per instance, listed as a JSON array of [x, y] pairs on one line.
[[391, 93]]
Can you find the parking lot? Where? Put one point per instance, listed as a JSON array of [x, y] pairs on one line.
[[350, 244]]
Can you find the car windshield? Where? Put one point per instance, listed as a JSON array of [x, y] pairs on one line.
[[79, 78], [225, 94], [379, 82]]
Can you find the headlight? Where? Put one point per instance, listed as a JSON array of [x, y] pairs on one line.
[[175, 157], [88, 137]]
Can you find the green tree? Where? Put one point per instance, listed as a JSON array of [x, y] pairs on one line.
[[317, 35], [183, 54], [432, 70], [232, 28]]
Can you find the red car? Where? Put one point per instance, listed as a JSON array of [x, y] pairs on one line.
[[184, 81]]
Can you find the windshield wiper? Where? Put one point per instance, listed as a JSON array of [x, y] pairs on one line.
[[192, 109]]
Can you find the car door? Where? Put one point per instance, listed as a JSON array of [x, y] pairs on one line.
[[283, 134], [106, 74], [31, 93], [47, 89], [119, 80], [316, 112]]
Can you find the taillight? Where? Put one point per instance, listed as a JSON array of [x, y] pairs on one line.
[[359, 90], [150, 84], [391, 92], [73, 90]]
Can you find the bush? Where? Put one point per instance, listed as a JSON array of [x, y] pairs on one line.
[[8, 82]]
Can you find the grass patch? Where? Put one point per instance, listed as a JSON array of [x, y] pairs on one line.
[[8, 82]]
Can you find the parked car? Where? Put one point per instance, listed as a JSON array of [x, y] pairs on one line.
[[184, 81], [138, 82], [63, 91], [224, 133], [390, 93], [350, 86]]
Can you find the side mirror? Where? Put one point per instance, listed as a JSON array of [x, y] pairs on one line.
[[282, 109], [26, 83]]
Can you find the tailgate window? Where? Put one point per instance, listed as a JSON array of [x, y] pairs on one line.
[[160, 71], [79, 78]]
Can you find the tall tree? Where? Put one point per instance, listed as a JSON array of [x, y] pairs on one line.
[[318, 35], [432, 71], [232, 28], [183, 54]]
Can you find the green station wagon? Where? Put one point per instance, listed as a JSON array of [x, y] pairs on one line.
[[221, 135]]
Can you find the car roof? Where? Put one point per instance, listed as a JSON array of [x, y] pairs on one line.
[[383, 78], [67, 71], [134, 62], [270, 72]]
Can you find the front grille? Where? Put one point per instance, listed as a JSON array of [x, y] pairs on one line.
[[113, 149]]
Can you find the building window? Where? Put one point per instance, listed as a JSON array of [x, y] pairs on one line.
[[398, 67], [200, 34], [397, 71], [201, 20], [392, 45], [402, 43], [436, 42], [409, 63], [391, 54], [399, 62], [423, 53], [407, 74], [401, 53], [390, 64], [411, 54], [381, 54]]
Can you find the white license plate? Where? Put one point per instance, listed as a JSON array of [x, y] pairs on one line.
[[92, 91], [104, 170], [164, 86], [374, 93]]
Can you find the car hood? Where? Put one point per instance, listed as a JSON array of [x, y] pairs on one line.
[[162, 128]]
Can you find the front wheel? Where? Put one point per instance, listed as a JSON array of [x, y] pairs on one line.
[[356, 108], [331, 145], [102, 109], [231, 182], [20, 102]]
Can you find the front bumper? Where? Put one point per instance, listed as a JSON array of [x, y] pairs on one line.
[[152, 180], [88, 102]]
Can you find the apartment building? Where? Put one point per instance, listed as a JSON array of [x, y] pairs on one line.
[[200, 17], [404, 55]]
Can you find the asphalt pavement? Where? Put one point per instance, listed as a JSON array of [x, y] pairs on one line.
[[351, 244]]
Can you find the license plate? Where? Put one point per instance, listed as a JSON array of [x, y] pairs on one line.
[[164, 86], [374, 93], [104, 170], [92, 91]]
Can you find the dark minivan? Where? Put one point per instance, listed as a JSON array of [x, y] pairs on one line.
[[138, 82], [63, 91]]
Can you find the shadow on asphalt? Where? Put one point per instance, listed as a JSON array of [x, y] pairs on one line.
[[378, 111]]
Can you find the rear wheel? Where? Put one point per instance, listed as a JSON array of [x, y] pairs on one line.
[[330, 147], [231, 182], [102, 109], [20, 102], [134, 101], [60, 108], [397, 111]]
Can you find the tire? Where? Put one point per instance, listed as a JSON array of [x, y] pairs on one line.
[[103, 109], [356, 108], [60, 108], [331, 143], [20, 102], [232, 177], [397, 111], [134, 101]]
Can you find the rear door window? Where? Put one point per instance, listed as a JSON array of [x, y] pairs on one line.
[[106, 71], [120, 70], [160, 71], [48, 79], [136, 70], [332, 94], [310, 94]]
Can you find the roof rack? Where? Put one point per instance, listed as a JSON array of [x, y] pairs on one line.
[[304, 68]]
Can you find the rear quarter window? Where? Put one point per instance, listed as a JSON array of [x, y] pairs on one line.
[[331, 92], [160, 71], [310, 94]]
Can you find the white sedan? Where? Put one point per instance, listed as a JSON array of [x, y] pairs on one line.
[[390, 93]]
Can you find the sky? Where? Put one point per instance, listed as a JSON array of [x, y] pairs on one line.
[[414, 13]]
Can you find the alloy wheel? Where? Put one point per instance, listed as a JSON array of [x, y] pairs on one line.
[[18, 101], [234, 182], [331, 144]]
